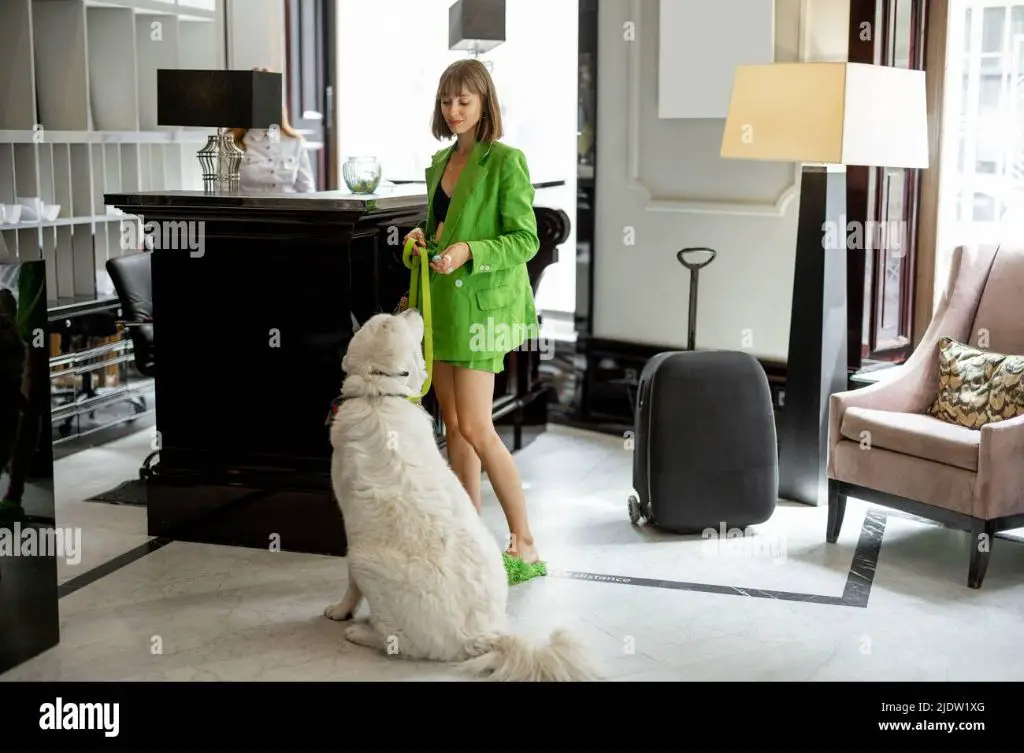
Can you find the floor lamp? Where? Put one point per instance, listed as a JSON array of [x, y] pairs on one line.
[[825, 116]]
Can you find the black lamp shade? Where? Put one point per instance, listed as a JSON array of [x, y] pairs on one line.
[[476, 25], [218, 99]]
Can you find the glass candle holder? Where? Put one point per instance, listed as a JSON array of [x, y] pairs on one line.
[[361, 174]]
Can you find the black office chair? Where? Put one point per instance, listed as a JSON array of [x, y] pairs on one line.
[[133, 282]]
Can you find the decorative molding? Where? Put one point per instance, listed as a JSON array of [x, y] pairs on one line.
[[682, 204], [704, 37]]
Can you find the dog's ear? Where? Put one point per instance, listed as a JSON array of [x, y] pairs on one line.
[[414, 321], [355, 352]]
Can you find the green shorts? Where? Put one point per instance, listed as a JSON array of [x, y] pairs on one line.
[[494, 365]]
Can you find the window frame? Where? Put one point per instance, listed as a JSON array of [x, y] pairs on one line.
[[867, 194], [309, 80]]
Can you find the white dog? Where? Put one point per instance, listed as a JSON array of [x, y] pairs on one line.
[[418, 552]]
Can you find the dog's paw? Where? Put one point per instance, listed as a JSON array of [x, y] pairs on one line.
[[361, 634], [340, 612]]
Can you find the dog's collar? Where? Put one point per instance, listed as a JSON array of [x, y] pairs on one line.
[[396, 375], [339, 400]]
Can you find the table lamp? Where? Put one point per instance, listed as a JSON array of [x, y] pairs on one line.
[[223, 100], [825, 116]]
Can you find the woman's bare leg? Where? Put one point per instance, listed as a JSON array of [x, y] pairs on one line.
[[461, 455], [474, 396]]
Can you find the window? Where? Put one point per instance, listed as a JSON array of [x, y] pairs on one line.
[[982, 183], [309, 42], [387, 82], [992, 22], [881, 278]]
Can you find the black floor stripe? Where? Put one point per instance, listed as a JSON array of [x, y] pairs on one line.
[[856, 592], [710, 588], [112, 566], [865, 560]]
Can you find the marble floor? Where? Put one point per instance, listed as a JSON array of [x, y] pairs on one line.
[[887, 602]]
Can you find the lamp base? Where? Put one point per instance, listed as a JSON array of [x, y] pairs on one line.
[[220, 160], [817, 364]]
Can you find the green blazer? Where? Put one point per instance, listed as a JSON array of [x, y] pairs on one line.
[[485, 308]]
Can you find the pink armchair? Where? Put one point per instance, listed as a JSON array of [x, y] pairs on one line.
[[884, 448]]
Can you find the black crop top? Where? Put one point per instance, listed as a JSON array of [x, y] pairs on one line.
[[441, 202]]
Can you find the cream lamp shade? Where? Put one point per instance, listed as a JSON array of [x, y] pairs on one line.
[[828, 113]]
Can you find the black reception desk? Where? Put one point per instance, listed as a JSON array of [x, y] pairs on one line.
[[251, 320]]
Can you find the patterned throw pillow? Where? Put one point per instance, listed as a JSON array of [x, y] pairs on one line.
[[977, 387]]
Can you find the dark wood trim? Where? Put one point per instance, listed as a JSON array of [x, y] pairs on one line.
[[607, 383], [879, 184], [586, 191], [839, 491], [329, 19], [908, 313], [903, 345], [867, 197], [310, 52], [935, 36], [858, 182], [586, 202], [774, 369], [224, 17]]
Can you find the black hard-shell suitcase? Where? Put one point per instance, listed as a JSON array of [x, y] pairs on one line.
[[705, 453]]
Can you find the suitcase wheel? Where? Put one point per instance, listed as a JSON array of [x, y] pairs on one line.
[[634, 509]]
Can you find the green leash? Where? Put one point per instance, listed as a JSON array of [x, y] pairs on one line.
[[419, 287], [419, 297]]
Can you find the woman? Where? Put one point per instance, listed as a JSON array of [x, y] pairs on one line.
[[276, 162], [480, 232]]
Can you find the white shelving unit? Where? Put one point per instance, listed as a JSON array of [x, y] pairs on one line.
[[79, 120]]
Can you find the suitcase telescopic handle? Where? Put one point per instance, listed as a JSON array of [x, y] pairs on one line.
[[681, 256], [694, 267]]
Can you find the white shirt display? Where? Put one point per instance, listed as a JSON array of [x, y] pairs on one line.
[[276, 164]]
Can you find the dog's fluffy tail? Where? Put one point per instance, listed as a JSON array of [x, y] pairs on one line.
[[514, 658]]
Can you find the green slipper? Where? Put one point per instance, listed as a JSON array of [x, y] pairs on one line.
[[519, 571]]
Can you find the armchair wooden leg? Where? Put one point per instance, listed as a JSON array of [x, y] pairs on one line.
[[982, 538], [836, 511]]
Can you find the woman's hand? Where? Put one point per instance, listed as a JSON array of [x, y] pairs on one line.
[[417, 235], [451, 258]]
